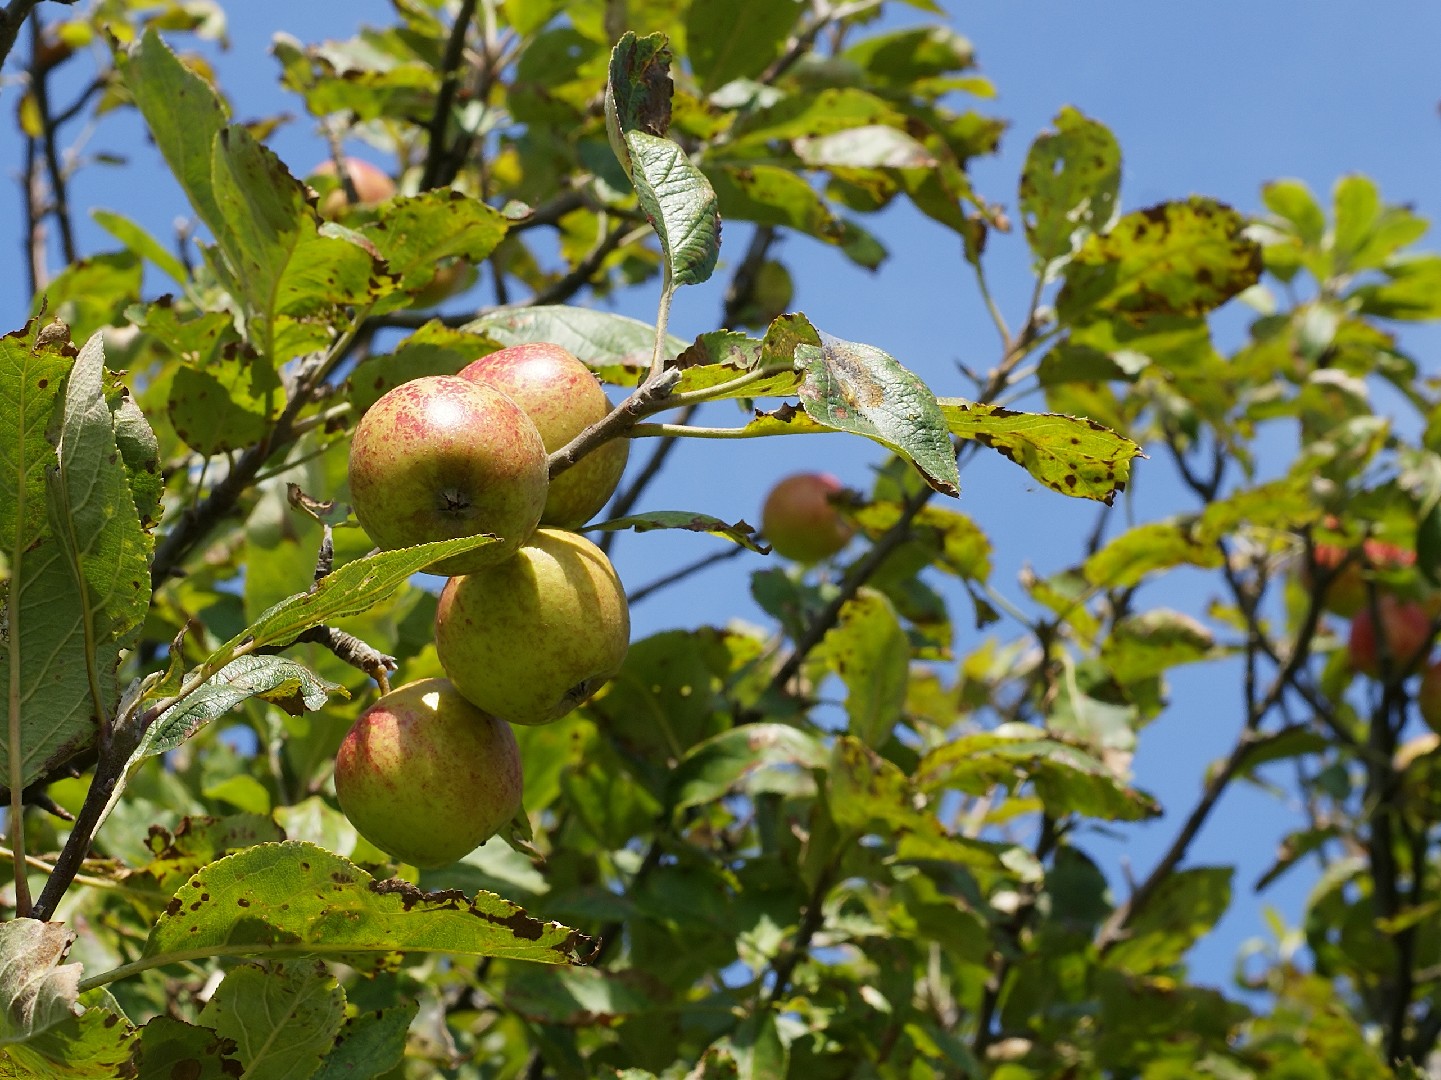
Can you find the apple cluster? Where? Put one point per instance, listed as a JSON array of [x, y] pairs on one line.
[[527, 628]]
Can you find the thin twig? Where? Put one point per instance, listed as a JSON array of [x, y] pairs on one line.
[[435, 154]]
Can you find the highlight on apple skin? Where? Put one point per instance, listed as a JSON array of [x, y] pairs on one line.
[[426, 776], [372, 187], [800, 520], [531, 638], [1406, 630], [563, 398], [441, 457]]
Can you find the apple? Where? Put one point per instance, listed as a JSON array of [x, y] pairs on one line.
[[372, 187], [440, 457], [800, 519], [563, 397], [1407, 631], [533, 637], [426, 776], [1346, 591]]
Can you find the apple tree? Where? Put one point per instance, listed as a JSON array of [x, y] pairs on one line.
[[857, 840]]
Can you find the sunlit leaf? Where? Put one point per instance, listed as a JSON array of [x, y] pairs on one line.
[[282, 1018], [1069, 186], [738, 533]]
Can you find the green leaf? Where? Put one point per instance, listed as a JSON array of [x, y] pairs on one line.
[[140, 450], [1176, 258], [1145, 549], [1069, 454], [1411, 291], [1293, 201], [772, 195], [1069, 186], [901, 58], [1185, 906], [171, 1047], [276, 679], [91, 294], [675, 196], [736, 39], [434, 349], [746, 756], [37, 990], [96, 1045], [961, 546], [227, 404], [296, 899], [137, 240], [1066, 778], [414, 233], [870, 652], [860, 389], [184, 115], [1147, 644], [578, 997], [809, 116], [870, 146], [739, 533], [599, 338], [282, 1019], [370, 1044]]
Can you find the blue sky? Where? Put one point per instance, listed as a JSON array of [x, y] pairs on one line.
[[1214, 99]]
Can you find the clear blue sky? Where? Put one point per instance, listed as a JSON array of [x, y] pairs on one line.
[[1213, 99]]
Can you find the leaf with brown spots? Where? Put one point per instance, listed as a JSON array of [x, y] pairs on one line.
[[739, 533], [1176, 258], [1069, 186], [1069, 454]]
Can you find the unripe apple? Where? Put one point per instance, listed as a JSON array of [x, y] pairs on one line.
[[531, 638], [1428, 696], [426, 776], [372, 187], [800, 519], [1406, 629], [563, 397], [440, 457]]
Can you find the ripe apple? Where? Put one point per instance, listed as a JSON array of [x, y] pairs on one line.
[[426, 776], [1406, 629], [440, 457], [372, 187], [1346, 592], [531, 638], [800, 519], [563, 398]]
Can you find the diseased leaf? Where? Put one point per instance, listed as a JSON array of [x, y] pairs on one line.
[[739, 533], [37, 989], [869, 651], [576, 997], [370, 1044], [1176, 258], [1069, 186], [599, 338], [415, 233], [680, 204], [736, 39], [226, 404], [1069, 454], [97, 1044], [747, 757], [171, 1047], [282, 1018]]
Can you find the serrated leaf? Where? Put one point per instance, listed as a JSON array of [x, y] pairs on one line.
[[716, 766], [869, 651], [1069, 454], [739, 533], [599, 338], [863, 390], [1069, 186], [171, 1047], [369, 1045], [414, 233], [297, 899], [638, 90], [37, 990], [227, 404], [680, 205], [736, 39], [276, 679], [140, 450], [1175, 258], [95, 1045], [282, 1019]]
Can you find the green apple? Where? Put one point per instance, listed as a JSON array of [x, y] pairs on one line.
[[800, 519], [372, 187], [563, 397], [1406, 629], [440, 457], [531, 638], [426, 776]]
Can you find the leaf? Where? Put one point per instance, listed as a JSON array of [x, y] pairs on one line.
[[870, 146], [1069, 454], [739, 533], [297, 899], [674, 195], [1145, 549], [184, 115], [434, 349], [282, 1019], [748, 753], [170, 1047], [576, 997], [95, 1045], [1144, 645], [1293, 201], [140, 450], [414, 233], [598, 338], [860, 389], [961, 546], [1069, 186], [1066, 778], [137, 240], [870, 652], [772, 195], [1176, 258], [227, 404], [370, 1044], [37, 990], [1185, 906], [736, 39], [276, 679]]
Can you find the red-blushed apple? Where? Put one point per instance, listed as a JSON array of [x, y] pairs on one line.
[[563, 397], [1406, 629], [533, 637], [372, 187], [800, 519], [426, 776], [1346, 589], [1428, 696], [440, 457]]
